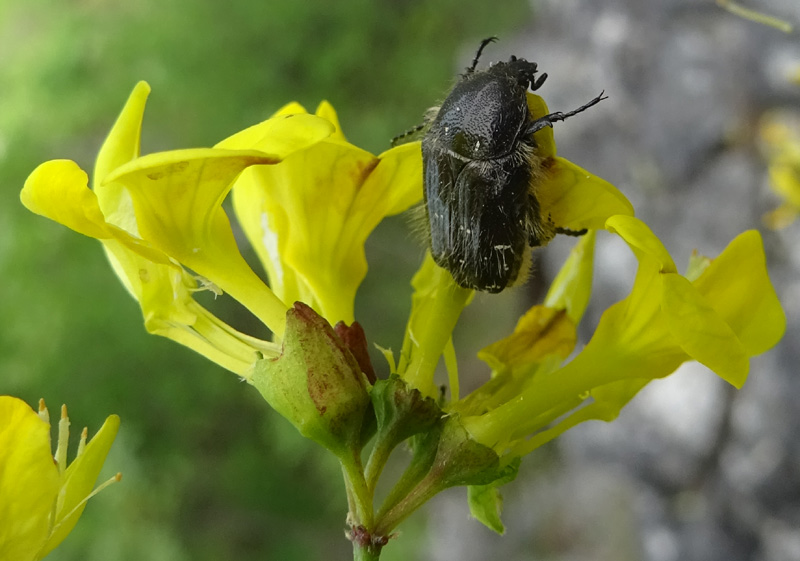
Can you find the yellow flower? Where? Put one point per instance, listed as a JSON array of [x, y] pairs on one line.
[[782, 140], [309, 217], [160, 216], [42, 499], [720, 317]]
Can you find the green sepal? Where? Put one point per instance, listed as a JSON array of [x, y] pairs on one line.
[[316, 383], [402, 411], [486, 502], [460, 460]]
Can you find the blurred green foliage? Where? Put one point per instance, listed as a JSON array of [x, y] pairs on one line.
[[209, 472]]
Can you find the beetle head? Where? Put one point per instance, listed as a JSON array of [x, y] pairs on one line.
[[522, 71]]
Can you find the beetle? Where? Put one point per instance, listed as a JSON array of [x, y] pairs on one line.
[[481, 171]]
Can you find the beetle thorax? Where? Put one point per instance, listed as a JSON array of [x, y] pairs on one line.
[[483, 116]]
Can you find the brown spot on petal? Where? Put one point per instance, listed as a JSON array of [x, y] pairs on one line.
[[361, 173]]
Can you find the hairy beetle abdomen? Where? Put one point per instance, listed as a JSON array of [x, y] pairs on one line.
[[478, 212]]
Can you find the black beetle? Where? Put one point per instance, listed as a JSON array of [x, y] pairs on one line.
[[481, 170]]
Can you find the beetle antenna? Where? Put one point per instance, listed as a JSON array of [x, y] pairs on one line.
[[471, 68], [548, 120]]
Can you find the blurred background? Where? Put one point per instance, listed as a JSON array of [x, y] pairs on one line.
[[690, 471]]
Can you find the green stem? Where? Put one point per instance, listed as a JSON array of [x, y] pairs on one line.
[[425, 446], [367, 552], [358, 492], [348, 488], [423, 492], [378, 457]]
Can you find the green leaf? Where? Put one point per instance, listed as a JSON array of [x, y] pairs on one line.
[[486, 502]]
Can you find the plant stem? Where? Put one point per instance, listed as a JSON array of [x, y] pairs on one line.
[[426, 489], [424, 454], [368, 552], [360, 495], [378, 458]]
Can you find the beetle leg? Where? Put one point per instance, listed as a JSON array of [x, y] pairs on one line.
[[471, 68], [548, 120], [568, 232]]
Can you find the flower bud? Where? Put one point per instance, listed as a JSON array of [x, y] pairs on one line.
[[316, 382]]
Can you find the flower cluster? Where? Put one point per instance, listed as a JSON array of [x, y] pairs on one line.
[[42, 499], [781, 136], [307, 200]]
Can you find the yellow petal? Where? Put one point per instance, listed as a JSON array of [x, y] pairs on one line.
[[291, 108], [165, 293], [540, 332], [327, 112], [309, 217], [28, 480], [122, 143], [784, 173], [302, 207], [572, 287], [631, 341], [78, 482], [571, 196], [177, 197], [576, 199], [781, 217], [120, 147], [397, 179], [701, 332], [266, 224], [545, 140], [718, 320], [607, 402], [737, 286], [59, 190], [436, 305], [642, 240], [281, 134]]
